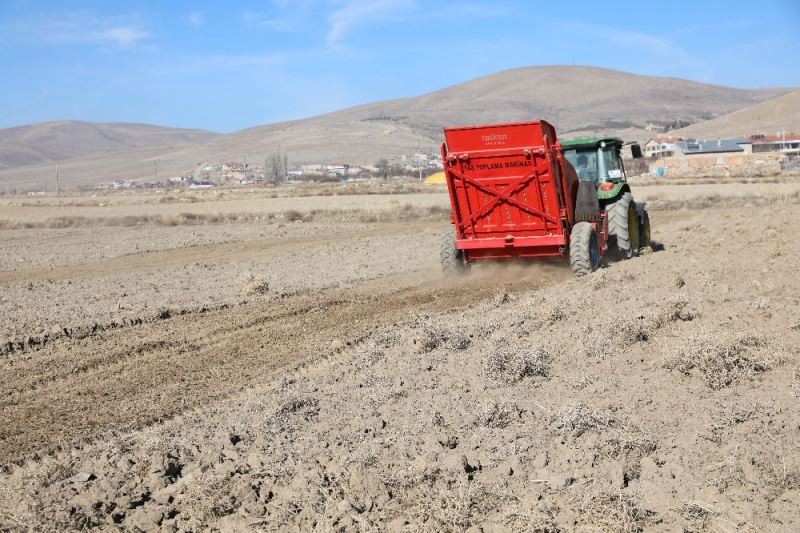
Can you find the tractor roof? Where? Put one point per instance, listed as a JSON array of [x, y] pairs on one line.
[[589, 142]]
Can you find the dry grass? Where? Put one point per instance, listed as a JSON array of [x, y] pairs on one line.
[[182, 219], [629, 445], [644, 181], [506, 365], [698, 513], [623, 331], [579, 418], [255, 286], [499, 414], [454, 510], [614, 511], [367, 187], [296, 216], [12, 516], [721, 360], [656, 202], [434, 334], [293, 409], [404, 213], [726, 473]]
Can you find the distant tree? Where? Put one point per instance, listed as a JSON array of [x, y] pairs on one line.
[[383, 167], [198, 173], [276, 166]]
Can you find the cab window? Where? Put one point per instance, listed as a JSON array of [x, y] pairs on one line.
[[612, 163], [584, 162]]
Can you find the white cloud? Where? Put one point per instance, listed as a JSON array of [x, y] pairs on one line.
[[196, 18], [260, 21], [237, 61], [121, 35], [638, 40], [638, 51], [355, 13], [85, 28]]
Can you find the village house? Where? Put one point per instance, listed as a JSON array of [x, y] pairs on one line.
[[692, 147], [338, 169], [787, 143], [660, 146], [294, 174]]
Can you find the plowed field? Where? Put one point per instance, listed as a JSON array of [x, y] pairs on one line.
[[303, 364]]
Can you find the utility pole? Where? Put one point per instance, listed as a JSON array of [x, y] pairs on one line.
[[155, 167], [58, 183]]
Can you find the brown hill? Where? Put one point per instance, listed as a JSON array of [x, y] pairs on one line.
[[54, 141], [575, 99], [770, 117]]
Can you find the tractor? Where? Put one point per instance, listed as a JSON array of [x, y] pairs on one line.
[[516, 192], [599, 161]]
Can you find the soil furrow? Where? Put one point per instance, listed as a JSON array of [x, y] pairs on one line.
[[157, 260], [129, 378]]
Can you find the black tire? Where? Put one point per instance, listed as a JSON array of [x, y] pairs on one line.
[[584, 257], [451, 257], [623, 225], [644, 231]]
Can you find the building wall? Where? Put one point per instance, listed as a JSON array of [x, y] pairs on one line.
[[724, 164]]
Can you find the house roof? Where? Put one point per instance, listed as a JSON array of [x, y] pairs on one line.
[[667, 138], [789, 137], [711, 147], [589, 142]]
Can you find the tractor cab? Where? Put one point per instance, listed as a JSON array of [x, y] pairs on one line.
[[595, 159]]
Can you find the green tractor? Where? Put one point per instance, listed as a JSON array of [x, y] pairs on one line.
[[598, 160]]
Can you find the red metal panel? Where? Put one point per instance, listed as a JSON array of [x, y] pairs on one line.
[[473, 244], [506, 185], [495, 254]]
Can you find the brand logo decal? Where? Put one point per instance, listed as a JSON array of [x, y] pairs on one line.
[[494, 139]]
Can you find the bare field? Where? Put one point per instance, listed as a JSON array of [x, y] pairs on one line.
[[312, 370]]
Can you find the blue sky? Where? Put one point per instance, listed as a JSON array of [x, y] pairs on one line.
[[229, 65]]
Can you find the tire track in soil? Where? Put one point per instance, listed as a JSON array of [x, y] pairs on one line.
[[137, 376]]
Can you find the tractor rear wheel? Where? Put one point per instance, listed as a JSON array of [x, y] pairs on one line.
[[623, 224], [584, 257], [451, 257], [644, 234]]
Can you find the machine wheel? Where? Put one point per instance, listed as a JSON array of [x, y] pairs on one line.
[[644, 233], [623, 224], [451, 257], [584, 257]]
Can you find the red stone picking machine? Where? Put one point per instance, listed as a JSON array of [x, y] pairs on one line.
[[516, 194]]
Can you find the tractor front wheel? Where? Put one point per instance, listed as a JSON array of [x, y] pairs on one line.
[[451, 257], [584, 257]]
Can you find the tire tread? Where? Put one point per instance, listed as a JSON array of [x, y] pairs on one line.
[[579, 255], [452, 259]]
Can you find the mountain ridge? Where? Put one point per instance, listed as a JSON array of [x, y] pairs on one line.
[[576, 99], [57, 140], [768, 117]]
